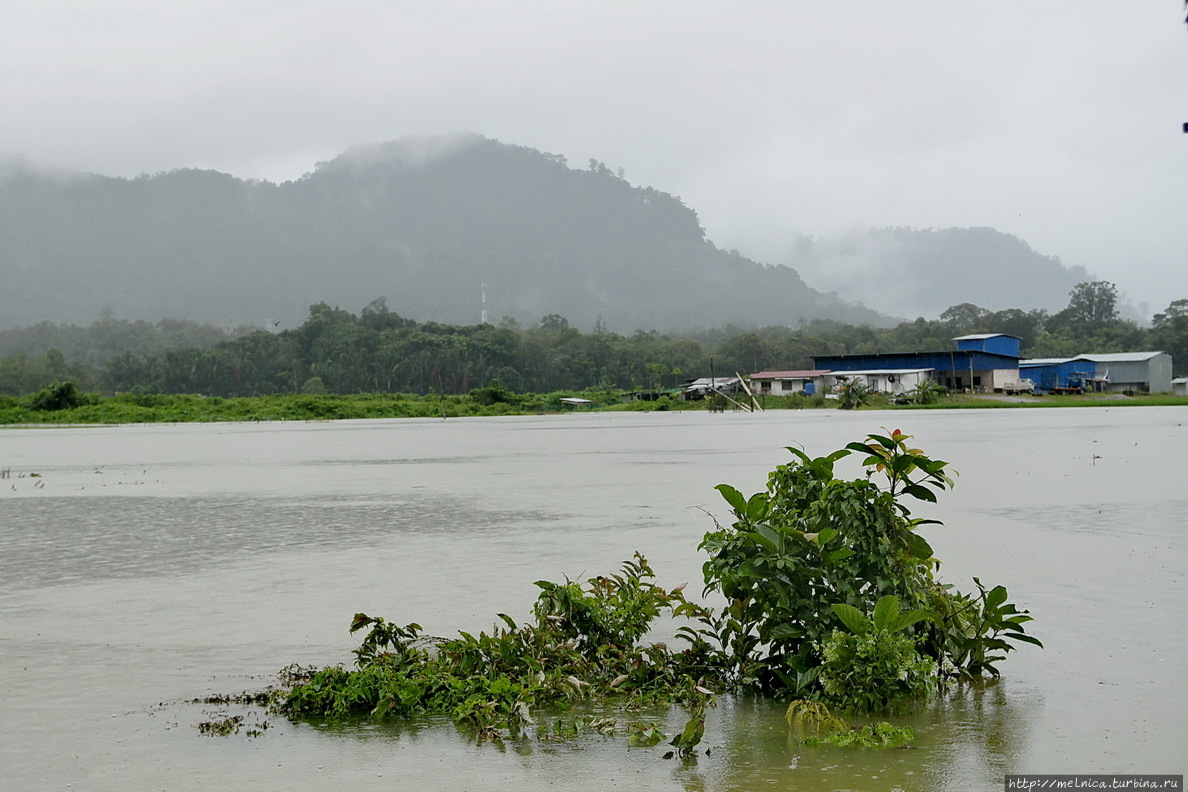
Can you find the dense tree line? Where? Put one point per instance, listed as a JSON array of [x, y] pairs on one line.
[[378, 350]]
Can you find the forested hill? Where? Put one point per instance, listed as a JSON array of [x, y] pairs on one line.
[[423, 223]]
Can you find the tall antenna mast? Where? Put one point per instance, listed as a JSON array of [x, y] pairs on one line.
[[484, 319]]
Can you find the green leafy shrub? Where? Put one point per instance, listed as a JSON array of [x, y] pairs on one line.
[[873, 666], [928, 392], [812, 543], [830, 598], [59, 396], [494, 393], [852, 393], [811, 540], [584, 644], [976, 628], [613, 611], [314, 387], [796, 401]]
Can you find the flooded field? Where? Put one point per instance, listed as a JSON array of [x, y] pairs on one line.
[[150, 565]]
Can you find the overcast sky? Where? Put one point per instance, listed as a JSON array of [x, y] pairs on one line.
[[1058, 121]]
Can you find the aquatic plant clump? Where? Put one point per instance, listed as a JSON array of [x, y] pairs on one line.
[[583, 645], [831, 600], [818, 725]]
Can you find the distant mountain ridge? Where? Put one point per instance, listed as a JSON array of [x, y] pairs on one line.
[[921, 272], [422, 222]]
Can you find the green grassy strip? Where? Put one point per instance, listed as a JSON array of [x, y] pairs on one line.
[[153, 408], [1027, 402]]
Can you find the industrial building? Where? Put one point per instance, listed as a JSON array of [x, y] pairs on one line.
[[1053, 375], [1140, 372], [981, 362]]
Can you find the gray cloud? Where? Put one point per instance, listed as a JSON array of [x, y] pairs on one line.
[[1057, 122]]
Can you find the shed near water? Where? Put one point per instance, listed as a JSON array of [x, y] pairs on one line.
[[1146, 372], [1058, 374]]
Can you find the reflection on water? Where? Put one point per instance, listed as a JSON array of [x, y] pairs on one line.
[[164, 563], [68, 540], [981, 732]]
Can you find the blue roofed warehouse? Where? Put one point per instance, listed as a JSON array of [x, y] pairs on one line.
[[982, 362]]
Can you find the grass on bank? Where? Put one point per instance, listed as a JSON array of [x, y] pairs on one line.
[[980, 401], [130, 408], [90, 408]]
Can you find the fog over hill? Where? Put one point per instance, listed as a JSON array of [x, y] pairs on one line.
[[425, 222], [921, 272]]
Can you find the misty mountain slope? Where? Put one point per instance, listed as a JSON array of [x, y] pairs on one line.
[[921, 272], [422, 222]]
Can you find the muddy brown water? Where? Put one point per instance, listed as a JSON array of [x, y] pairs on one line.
[[151, 565]]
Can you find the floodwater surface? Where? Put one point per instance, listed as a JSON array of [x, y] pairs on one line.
[[145, 566]]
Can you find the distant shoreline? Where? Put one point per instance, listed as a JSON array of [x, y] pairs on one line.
[[144, 409]]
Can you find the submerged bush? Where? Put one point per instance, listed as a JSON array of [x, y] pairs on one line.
[[583, 645], [874, 665], [812, 548], [873, 735], [831, 600]]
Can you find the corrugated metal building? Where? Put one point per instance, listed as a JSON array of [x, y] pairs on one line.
[[981, 362], [1149, 372], [1180, 386], [1051, 374], [702, 387], [998, 343]]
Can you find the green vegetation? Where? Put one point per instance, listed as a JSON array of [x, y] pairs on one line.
[[582, 645], [928, 392], [818, 725], [874, 735], [59, 396], [874, 664], [338, 353], [149, 408], [91, 408], [831, 601], [814, 553], [852, 393], [979, 402]]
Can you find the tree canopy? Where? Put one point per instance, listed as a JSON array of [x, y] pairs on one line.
[[378, 350]]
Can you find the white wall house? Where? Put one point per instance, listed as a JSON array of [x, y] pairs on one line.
[[785, 383], [892, 381]]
